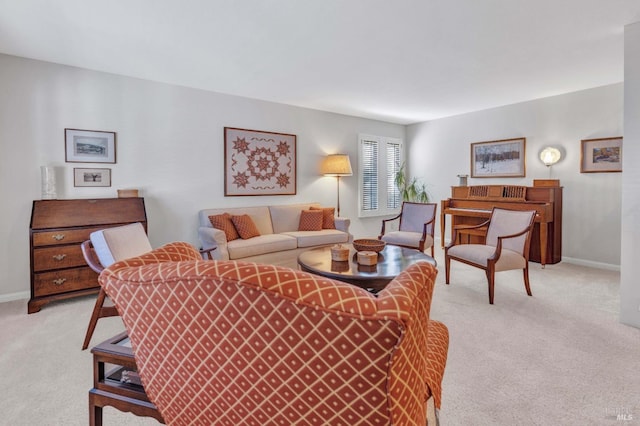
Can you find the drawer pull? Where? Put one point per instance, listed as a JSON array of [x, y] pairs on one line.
[[59, 281], [58, 237], [59, 257]]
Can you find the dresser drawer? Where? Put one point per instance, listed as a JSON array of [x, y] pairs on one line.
[[46, 259], [65, 236], [47, 283]]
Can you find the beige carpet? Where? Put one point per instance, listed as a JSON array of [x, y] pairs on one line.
[[558, 358]]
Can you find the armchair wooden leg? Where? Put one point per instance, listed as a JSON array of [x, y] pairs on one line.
[[526, 281], [447, 267], [491, 278], [99, 311]]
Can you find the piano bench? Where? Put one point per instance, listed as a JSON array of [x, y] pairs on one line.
[[480, 233]]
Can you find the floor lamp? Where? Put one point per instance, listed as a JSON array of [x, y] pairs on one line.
[[337, 165]]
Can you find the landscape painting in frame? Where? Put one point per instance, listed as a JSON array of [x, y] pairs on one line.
[[601, 155], [91, 177], [501, 158], [259, 163], [89, 146]]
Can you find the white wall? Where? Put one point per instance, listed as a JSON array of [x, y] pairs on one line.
[[169, 145], [439, 150], [629, 283]]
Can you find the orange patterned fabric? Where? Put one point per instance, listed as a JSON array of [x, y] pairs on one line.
[[245, 226], [234, 343], [223, 222], [436, 358], [328, 216], [310, 220]]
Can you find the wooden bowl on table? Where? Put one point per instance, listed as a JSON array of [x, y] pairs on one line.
[[368, 245]]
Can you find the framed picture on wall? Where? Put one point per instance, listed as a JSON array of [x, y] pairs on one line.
[[259, 163], [601, 155], [91, 177], [501, 158], [89, 146]]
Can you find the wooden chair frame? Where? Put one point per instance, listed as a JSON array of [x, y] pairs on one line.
[[423, 239], [99, 310], [490, 270]]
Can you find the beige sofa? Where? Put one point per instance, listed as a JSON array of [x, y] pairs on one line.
[[279, 242]]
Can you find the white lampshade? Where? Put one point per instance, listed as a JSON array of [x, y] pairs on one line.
[[336, 165], [550, 156]]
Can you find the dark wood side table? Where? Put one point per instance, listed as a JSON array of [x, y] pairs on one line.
[[113, 360], [391, 261]]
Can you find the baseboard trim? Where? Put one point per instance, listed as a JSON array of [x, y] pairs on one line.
[[591, 264], [14, 296], [574, 261]]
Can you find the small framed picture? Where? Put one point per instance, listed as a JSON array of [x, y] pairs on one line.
[[601, 155], [91, 177], [89, 146], [502, 158]]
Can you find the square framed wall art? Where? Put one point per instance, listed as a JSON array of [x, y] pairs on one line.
[[601, 155], [89, 146], [259, 163]]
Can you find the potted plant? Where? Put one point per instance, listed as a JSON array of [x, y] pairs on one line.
[[411, 189]]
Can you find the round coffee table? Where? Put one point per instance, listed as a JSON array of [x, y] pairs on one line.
[[391, 261]]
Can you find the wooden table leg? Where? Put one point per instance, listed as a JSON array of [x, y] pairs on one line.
[[95, 412]]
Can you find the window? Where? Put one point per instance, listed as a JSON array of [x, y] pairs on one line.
[[379, 160]]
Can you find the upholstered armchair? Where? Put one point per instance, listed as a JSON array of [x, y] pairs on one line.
[[506, 246], [234, 343], [415, 230], [103, 248]]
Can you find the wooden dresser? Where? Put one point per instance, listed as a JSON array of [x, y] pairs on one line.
[[58, 227]]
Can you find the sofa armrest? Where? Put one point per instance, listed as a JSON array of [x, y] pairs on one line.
[[342, 224], [212, 237]]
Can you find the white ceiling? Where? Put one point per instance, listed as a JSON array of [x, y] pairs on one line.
[[402, 61]]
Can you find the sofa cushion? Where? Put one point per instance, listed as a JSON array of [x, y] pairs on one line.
[[260, 215], [310, 220], [239, 249], [285, 218], [245, 226], [328, 217], [223, 222], [316, 238]]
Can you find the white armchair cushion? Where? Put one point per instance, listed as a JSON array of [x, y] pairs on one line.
[[480, 253], [408, 239], [122, 242]]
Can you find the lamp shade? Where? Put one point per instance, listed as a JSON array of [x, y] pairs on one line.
[[336, 165], [550, 156]]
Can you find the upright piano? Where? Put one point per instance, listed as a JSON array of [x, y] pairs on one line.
[[471, 205]]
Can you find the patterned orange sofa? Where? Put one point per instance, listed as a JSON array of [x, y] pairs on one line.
[[235, 343]]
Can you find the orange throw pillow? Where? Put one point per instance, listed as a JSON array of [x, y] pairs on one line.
[[328, 217], [245, 226], [223, 223], [310, 220]]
